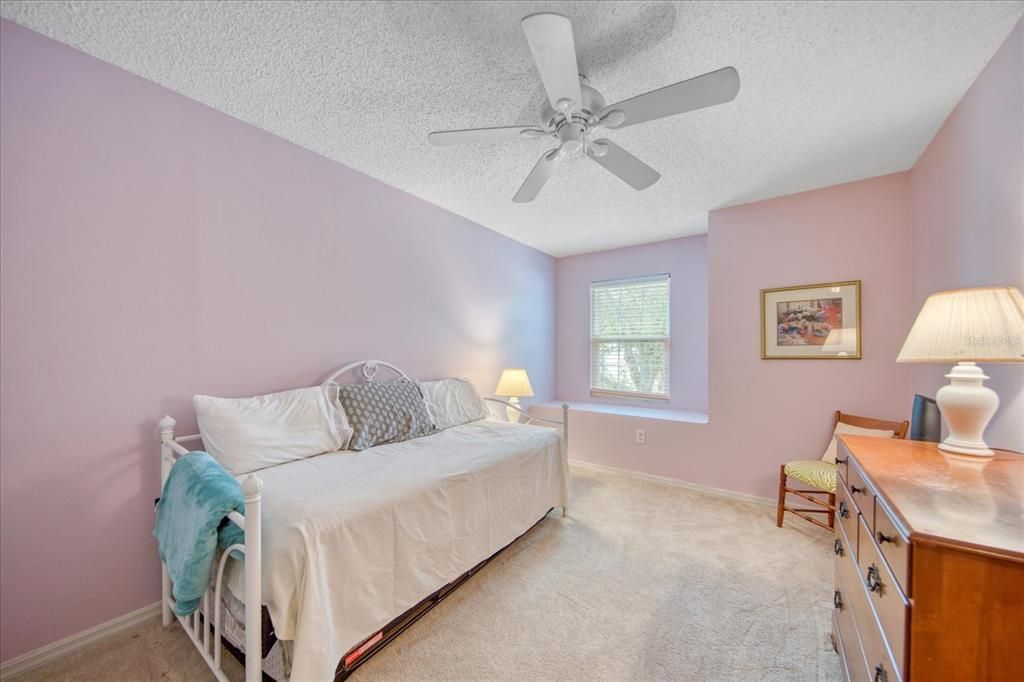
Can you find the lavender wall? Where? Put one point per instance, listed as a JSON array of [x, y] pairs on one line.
[[153, 248], [967, 194], [764, 413], [686, 260]]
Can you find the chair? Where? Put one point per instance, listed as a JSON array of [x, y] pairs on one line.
[[820, 475]]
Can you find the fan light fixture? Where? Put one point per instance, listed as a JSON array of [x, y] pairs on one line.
[[574, 111]]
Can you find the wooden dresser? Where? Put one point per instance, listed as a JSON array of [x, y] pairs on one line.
[[929, 563]]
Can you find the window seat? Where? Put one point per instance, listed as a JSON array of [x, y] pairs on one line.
[[657, 413]]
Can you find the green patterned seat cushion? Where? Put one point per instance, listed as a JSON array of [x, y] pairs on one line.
[[815, 473]]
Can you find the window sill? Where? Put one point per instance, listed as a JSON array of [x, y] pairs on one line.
[[649, 398], [631, 411]]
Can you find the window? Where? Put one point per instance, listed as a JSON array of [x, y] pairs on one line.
[[629, 336]]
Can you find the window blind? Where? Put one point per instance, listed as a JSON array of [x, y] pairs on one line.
[[629, 337]]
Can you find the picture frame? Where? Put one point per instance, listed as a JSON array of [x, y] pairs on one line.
[[811, 322]]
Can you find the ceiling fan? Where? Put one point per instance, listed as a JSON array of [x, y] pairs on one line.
[[574, 110]]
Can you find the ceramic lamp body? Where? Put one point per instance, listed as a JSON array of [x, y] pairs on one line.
[[967, 406], [511, 412]]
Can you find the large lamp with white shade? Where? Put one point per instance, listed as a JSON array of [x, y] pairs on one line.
[[967, 326], [514, 384]]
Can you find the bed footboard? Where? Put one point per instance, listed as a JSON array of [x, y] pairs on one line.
[[530, 419], [202, 628]]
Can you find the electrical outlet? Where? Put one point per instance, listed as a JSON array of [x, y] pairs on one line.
[[641, 436]]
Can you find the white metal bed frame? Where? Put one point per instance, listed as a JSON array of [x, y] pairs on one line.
[[198, 626]]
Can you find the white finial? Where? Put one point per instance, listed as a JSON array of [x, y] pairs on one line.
[[166, 425], [252, 487]]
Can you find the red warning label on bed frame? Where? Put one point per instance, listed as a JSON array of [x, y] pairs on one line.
[[363, 648]]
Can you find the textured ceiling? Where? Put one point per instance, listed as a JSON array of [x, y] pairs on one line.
[[831, 92]]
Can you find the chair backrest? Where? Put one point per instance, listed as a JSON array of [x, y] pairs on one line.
[[899, 429]]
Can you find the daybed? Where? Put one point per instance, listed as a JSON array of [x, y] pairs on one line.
[[344, 550]]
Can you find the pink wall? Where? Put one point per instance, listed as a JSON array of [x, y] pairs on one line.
[[153, 248], [967, 197], [686, 260], [763, 413]]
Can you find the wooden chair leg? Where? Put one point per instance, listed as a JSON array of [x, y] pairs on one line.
[[781, 509], [832, 510]]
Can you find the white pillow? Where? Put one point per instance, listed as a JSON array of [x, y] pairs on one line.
[[341, 423], [451, 402], [849, 429], [246, 434]]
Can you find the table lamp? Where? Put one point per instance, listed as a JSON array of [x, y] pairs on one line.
[[514, 384], [966, 326]]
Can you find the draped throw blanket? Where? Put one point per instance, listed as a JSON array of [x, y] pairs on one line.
[[191, 520]]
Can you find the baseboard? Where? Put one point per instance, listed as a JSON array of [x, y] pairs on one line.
[[62, 647], [719, 492]]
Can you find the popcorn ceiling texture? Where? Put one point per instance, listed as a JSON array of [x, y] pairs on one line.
[[831, 92]]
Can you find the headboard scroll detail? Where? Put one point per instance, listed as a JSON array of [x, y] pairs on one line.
[[367, 369]]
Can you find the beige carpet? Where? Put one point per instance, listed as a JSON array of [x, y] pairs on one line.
[[645, 581]]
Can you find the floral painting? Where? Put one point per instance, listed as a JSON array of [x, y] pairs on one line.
[[811, 322], [807, 323]]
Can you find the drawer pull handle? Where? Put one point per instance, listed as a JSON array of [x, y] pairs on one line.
[[880, 675], [841, 461], [843, 511], [857, 491], [874, 580], [837, 548], [882, 537], [837, 600]]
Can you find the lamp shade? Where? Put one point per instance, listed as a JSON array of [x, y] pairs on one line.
[[514, 383], [968, 325]]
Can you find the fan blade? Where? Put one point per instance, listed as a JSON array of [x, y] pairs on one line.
[[485, 135], [717, 87], [535, 181], [609, 119], [554, 52], [630, 169]]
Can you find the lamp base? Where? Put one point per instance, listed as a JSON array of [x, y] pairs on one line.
[[967, 406], [511, 412]]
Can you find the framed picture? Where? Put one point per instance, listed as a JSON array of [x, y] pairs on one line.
[[813, 322]]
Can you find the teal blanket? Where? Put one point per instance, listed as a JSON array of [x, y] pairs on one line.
[[191, 520]]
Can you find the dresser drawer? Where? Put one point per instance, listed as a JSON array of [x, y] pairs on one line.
[[846, 515], [842, 460], [869, 641], [879, 666], [840, 545], [860, 494], [893, 545], [845, 632], [887, 601], [837, 641]]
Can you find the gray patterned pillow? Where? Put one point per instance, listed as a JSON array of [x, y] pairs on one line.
[[384, 413]]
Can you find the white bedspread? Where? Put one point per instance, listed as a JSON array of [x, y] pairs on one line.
[[352, 540]]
